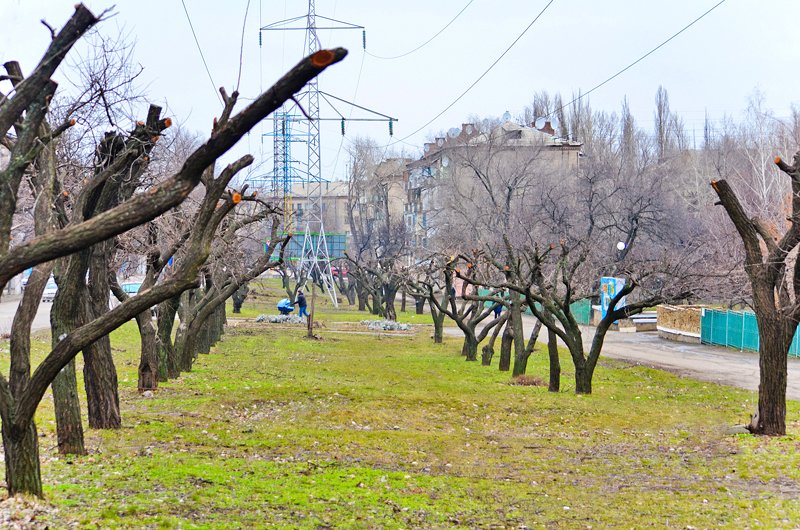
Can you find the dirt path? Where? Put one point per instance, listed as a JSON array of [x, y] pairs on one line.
[[698, 361]]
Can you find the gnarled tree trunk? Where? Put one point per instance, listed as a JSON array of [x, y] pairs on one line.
[[555, 363]]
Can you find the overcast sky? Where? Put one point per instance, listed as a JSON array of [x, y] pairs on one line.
[[713, 67]]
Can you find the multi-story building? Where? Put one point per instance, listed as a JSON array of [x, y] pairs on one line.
[[450, 164], [334, 206]]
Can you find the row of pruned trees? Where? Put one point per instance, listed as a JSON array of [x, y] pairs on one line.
[[82, 211], [636, 206]]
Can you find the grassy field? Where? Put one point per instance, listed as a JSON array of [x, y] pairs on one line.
[[274, 430]]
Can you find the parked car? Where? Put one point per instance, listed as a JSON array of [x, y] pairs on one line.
[[131, 288], [50, 290]]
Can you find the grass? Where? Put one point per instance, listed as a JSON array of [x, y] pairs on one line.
[[273, 430]]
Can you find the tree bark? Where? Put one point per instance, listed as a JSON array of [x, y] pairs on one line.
[[149, 365], [583, 379], [69, 428], [99, 372], [438, 326], [362, 295], [67, 313], [487, 352], [505, 349], [521, 354], [168, 365], [23, 474], [390, 293], [470, 347], [775, 338], [555, 363]]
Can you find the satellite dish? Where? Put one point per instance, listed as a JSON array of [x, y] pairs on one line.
[[469, 129], [455, 131], [539, 123], [506, 116], [554, 123], [427, 147], [440, 142], [445, 161]]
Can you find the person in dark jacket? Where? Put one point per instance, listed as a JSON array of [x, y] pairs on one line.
[[301, 304]]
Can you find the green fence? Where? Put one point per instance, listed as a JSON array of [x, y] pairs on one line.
[[735, 329]]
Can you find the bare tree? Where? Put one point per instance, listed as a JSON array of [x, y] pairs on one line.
[[379, 251], [769, 257], [26, 111]]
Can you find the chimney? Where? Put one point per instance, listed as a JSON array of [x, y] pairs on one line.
[[546, 128]]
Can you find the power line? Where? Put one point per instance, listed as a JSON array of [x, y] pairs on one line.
[[197, 42], [241, 45], [640, 59], [470, 87], [427, 41]]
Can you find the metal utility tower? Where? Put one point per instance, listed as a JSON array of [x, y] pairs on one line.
[[284, 173], [315, 255], [314, 258]]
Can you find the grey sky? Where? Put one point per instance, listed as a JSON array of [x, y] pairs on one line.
[[713, 67]]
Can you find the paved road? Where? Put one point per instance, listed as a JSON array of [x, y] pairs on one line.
[[698, 361], [8, 307]]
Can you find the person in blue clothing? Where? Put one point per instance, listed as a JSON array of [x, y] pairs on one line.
[[498, 308], [301, 304]]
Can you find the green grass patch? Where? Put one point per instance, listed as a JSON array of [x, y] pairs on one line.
[[273, 430]]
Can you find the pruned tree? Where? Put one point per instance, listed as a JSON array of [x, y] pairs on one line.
[[469, 314], [26, 111], [379, 239], [772, 266]]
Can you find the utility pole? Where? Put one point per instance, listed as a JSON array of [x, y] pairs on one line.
[[314, 255]]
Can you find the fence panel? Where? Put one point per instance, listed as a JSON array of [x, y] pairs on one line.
[[735, 329]]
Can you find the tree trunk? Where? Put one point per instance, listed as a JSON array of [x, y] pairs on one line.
[[218, 324], [23, 474], [390, 293], [505, 349], [555, 363], [202, 339], [361, 294], [377, 304], [68, 411], [350, 293], [149, 359], [487, 352], [168, 365], [583, 379], [311, 312], [470, 347], [182, 349], [100, 382], [438, 326], [419, 305], [775, 336], [99, 372], [515, 319], [66, 314]]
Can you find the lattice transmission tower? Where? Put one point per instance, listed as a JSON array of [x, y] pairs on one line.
[[314, 254]]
